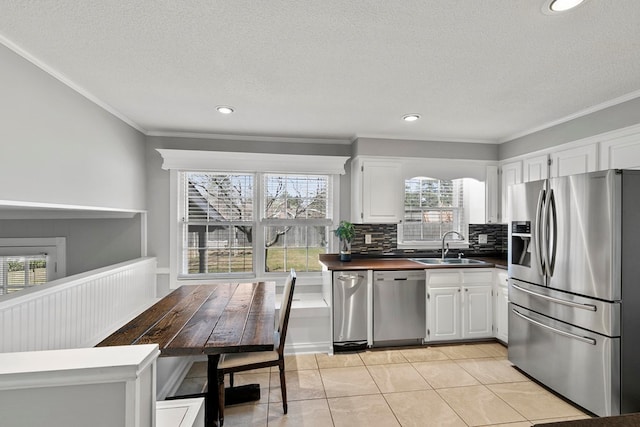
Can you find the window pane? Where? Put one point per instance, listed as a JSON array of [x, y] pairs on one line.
[[218, 249], [19, 272], [296, 196], [297, 247], [219, 197], [218, 223], [432, 207]]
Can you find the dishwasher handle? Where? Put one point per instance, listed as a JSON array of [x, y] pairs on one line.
[[351, 277]]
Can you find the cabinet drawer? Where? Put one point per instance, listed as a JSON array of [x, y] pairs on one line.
[[451, 277], [477, 276]]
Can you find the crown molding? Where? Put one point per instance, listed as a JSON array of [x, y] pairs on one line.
[[256, 138], [593, 109]]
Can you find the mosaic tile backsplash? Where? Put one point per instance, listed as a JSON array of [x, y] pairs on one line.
[[384, 240]]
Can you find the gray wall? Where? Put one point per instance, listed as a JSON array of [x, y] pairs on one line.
[[426, 149], [58, 147], [606, 120], [91, 243]]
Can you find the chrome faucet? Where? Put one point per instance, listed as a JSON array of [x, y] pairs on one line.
[[444, 236]]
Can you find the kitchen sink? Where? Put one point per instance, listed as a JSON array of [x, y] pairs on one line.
[[447, 261]]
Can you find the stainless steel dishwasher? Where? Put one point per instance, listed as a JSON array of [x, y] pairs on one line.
[[399, 307], [349, 310]]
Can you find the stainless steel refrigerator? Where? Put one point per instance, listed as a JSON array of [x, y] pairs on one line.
[[574, 287]]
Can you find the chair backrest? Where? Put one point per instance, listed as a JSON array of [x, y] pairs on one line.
[[285, 309]]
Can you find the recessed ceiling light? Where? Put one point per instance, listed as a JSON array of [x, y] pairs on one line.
[[223, 109], [556, 6], [410, 117]]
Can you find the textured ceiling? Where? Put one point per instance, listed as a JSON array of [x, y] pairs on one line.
[[476, 70]]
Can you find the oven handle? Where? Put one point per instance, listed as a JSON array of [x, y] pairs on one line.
[[589, 307], [557, 331]]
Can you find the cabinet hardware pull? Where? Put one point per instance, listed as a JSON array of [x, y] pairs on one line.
[[552, 329], [589, 307]]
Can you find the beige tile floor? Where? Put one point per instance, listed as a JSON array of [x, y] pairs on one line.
[[454, 385]]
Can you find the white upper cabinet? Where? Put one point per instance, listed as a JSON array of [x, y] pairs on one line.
[[620, 153], [377, 191], [535, 168], [511, 174], [492, 191], [574, 161]]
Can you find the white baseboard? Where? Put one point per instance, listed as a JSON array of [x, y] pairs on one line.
[[305, 348]]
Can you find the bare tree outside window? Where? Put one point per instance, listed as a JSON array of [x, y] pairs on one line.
[[296, 209]]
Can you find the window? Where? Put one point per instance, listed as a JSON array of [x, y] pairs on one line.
[[431, 208], [218, 223], [20, 272], [296, 220], [247, 224], [28, 262]]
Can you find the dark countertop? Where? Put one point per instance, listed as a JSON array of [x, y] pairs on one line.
[[332, 262]]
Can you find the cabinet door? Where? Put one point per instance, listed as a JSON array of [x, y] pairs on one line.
[[511, 174], [382, 189], [477, 313], [491, 195], [502, 314], [620, 153], [443, 313], [535, 168], [574, 160]]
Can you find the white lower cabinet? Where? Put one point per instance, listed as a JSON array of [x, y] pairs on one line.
[[501, 306], [443, 313], [459, 304]]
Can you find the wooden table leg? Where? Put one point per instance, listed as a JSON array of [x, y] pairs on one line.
[[211, 399]]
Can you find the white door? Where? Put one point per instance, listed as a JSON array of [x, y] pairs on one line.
[[443, 313], [477, 312]]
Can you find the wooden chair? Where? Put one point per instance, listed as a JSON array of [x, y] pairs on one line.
[[237, 362]]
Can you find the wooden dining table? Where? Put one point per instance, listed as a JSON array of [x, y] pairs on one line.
[[209, 320]]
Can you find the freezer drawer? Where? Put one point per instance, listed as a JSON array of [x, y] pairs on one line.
[[399, 306], [582, 366], [594, 315]]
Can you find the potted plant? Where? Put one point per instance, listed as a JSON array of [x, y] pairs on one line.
[[346, 231]]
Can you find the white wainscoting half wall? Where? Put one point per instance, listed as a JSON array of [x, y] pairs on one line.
[[77, 311]]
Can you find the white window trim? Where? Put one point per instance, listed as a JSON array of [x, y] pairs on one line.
[[435, 244], [213, 161], [222, 161]]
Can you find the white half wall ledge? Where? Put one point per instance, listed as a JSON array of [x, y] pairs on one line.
[[220, 161], [16, 209], [50, 368]]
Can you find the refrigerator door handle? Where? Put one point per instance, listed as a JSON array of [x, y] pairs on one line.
[[557, 300], [557, 331], [538, 233], [553, 245]]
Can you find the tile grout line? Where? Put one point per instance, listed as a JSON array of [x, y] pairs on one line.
[[324, 390]]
